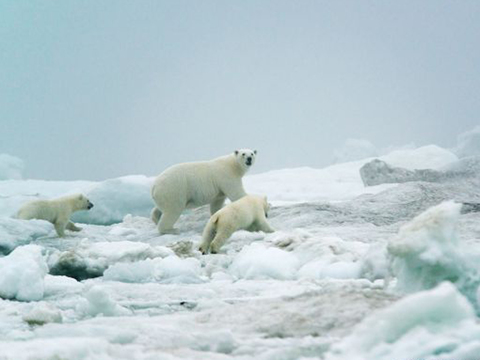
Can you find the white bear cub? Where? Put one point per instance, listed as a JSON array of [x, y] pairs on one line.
[[248, 213], [190, 185], [56, 211]]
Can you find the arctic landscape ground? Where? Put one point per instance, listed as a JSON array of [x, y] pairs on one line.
[[390, 271]]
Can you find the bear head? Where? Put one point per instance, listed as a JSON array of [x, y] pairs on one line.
[[82, 202], [245, 157]]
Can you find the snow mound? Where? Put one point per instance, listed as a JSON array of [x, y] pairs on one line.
[[425, 157], [354, 149], [15, 232], [468, 143], [23, 273], [98, 301], [259, 262], [437, 324], [171, 269], [426, 252], [11, 167], [116, 198]]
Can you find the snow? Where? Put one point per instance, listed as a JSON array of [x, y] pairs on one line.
[[259, 262], [171, 269], [11, 167], [350, 272], [115, 198], [98, 301], [42, 314], [23, 273], [435, 324]]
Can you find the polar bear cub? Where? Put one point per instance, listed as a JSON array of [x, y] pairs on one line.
[[190, 185], [57, 211], [248, 213]]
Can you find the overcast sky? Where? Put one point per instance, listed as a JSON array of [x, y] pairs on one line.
[[99, 89]]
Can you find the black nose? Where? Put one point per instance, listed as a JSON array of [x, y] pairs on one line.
[[90, 205], [249, 159]]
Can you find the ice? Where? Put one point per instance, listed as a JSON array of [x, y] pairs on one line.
[[15, 232], [23, 273], [435, 324], [340, 182], [11, 167], [119, 290], [427, 251], [78, 348], [90, 259], [116, 198], [42, 314], [99, 302], [171, 269], [337, 270], [259, 262]]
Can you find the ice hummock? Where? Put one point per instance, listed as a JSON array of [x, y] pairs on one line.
[[22, 274], [437, 324], [427, 251]]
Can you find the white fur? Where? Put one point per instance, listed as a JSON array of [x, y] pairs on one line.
[[190, 185], [56, 211], [248, 213]]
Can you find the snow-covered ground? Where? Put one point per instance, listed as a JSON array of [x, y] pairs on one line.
[[352, 272]]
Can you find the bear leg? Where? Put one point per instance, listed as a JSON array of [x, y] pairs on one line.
[[168, 219], [208, 236], [217, 204], [60, 227], [265, 227], [72, 227], [219, 240], [155, 215]]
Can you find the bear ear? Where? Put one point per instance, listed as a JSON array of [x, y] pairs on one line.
[[236, 152], [255, 152]]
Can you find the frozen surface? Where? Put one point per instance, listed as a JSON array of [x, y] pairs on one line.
[[343, 259]]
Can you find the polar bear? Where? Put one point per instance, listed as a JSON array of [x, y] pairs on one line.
[[57, 211], [248, 213], [190, 185]]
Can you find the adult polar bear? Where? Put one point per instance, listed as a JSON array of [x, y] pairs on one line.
[[190, 185]]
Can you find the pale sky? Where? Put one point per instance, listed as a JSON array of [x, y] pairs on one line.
[[99, 89]]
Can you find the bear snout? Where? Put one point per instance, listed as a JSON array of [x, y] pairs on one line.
[[249, 160], [90, 205]]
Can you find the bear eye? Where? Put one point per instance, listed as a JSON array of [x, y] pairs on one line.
[[243, 155]]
